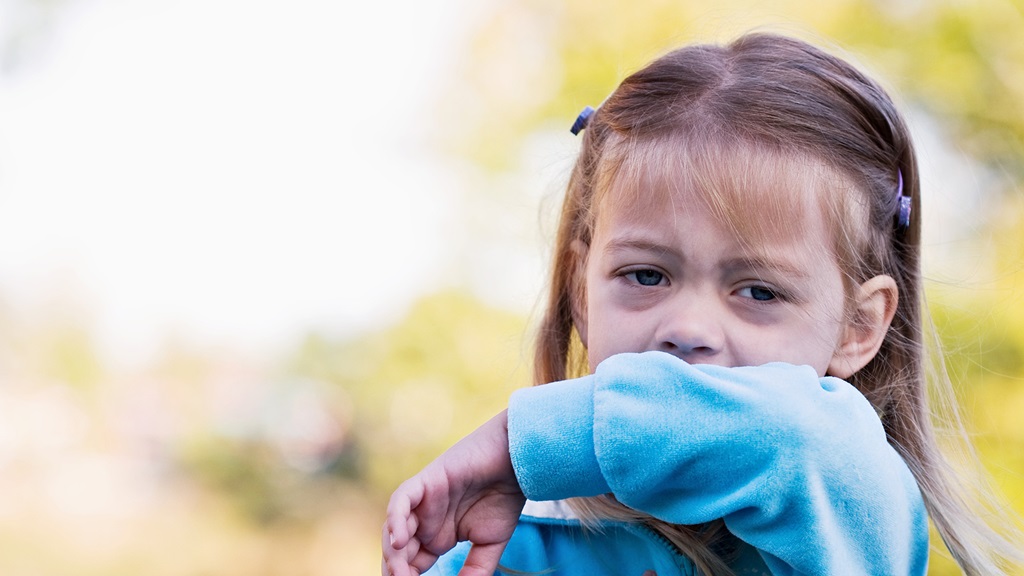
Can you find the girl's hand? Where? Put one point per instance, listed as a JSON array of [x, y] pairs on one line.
[[468, 493]]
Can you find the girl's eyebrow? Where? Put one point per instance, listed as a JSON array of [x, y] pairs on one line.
[[765, 263], [635, 242], [753, 262]]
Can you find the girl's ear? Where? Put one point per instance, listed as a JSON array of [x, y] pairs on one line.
[[864, 333], [577, 289]]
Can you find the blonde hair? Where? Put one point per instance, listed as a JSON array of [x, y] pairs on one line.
[[760, 102]]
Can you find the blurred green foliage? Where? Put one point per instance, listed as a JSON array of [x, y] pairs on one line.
[[247, 473], [536, 63], [404, 394], [420, 385], [982, 328]]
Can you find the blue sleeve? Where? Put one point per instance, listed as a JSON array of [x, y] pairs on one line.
[[797, 466]]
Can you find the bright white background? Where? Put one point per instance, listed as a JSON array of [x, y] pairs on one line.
[[226, 171]]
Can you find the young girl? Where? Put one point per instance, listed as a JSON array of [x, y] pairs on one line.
[[732, 350]]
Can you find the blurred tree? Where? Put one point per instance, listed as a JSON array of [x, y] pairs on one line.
[[982, 332], [422, 384], [60, 346], [69, 356], [246, 473], [533, 63]]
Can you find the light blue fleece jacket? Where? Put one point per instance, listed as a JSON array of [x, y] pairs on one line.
[[797, 466]]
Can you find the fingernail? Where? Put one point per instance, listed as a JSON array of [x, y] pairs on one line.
[[391, 535]]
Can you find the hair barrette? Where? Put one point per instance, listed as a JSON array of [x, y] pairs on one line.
[[902, 204], [581, 120]]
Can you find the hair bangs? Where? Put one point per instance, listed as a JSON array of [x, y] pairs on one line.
[[762, 192]]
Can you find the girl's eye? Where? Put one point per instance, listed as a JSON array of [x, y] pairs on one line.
[[646, 277], [759, 293]]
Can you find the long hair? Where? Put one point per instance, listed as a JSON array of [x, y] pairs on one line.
[[766, 102]]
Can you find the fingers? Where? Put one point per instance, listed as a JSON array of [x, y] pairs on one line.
[[401, 541], [392, 562], [401, 524], [408, 560], [483, 559]]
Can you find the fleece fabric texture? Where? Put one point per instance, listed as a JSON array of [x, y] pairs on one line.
[[798, 466], [556, 545]]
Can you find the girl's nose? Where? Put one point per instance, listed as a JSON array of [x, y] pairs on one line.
[[692, 329]]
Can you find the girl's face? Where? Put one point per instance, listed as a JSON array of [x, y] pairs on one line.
[[669, 276]]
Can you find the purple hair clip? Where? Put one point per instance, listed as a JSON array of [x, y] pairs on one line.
[[902, 204], [581, 120]]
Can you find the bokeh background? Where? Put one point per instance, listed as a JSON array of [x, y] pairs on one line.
[[261, 260]]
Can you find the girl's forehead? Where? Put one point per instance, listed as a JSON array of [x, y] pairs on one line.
[[759, 193]]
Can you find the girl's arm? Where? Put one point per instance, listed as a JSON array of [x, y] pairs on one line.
[[799, 467], [796, 465]]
